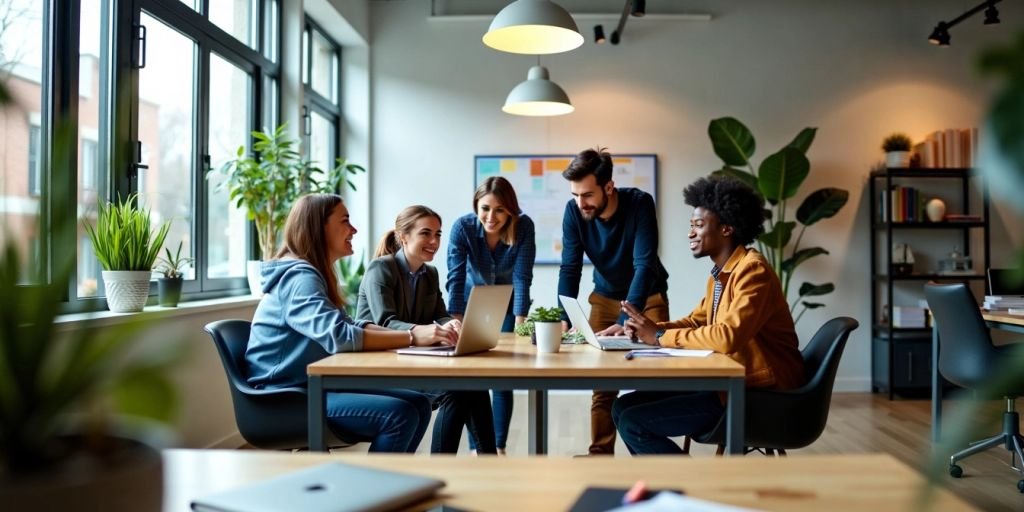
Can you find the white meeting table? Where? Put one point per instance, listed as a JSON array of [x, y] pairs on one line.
[[515, 364]]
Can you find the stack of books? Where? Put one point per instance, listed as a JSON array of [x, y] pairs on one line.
[[909, 317], [949, 148], [1003, 302]]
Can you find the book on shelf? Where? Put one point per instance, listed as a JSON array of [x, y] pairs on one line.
[[949, 148], [962, 217], [909, 317]]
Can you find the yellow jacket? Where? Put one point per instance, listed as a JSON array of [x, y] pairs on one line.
[[753, 325]]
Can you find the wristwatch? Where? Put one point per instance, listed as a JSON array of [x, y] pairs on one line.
[[657, 336]]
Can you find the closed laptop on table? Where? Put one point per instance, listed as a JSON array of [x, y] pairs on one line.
[[333, 487]]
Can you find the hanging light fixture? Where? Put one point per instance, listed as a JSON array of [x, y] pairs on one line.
[[537, 96], [534, 27]]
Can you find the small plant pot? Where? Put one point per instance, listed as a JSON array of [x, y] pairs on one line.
[[126, 290], [549, 336], [169, 289], [897, 159]]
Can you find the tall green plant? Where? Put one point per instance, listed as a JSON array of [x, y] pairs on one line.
[[123, 237], [267, 182], [350, 276], [778, 179]]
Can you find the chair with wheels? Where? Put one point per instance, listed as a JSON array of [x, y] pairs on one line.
[[968, 359], [271, 419], [777, 421]]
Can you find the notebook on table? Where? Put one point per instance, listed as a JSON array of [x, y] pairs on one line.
[[481, 325], [333, 487], [579, 321]]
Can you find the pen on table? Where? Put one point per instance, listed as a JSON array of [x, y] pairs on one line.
[[629, 355]]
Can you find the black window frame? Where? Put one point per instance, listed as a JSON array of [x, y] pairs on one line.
[[313, 101]]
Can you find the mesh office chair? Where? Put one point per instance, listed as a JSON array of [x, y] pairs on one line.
[[271, 419], [967, 358], [792, 419]]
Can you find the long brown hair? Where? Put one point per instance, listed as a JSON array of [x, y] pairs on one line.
[[304, 238], [506, 195], [390, 243]]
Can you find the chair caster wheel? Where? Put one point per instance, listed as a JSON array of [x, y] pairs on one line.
[[1020, 485], [957, 472]]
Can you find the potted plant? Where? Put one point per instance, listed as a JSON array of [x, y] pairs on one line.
[[778, 179], [172, 267], [267, 182], [547, 325], [126, 246], [897, 150], [349, 278]]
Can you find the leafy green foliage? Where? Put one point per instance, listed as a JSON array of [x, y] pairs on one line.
[[896, 142], [778, 179], [542, 314], [173, 265], [123, 237], [349, 278], [267, 182]]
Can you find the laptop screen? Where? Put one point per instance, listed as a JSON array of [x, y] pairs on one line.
[[1005, 281]]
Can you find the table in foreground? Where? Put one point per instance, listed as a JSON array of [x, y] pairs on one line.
[[515, 364], [833, 483]]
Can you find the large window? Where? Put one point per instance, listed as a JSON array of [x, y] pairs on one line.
[[159, 93], [322, 111]]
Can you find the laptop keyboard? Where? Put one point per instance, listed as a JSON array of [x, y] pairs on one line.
[[618, 343]]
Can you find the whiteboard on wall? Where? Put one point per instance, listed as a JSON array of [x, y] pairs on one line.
[[543, 192]]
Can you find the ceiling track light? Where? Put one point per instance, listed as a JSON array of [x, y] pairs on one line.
[[639, 8], [599, 34], [940, 34]]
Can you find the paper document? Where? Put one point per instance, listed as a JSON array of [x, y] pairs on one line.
[[670, 501], [670, 352]]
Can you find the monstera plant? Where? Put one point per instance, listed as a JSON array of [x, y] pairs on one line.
[[778, 179]]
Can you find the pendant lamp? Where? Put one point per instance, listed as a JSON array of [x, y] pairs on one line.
[[537, 96], [534, 27]]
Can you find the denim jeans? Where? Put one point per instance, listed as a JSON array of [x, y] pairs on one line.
[[395, 419], [458, 409], [646, 419], [501, 405]]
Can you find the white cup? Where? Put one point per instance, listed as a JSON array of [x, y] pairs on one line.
[[549, 336]]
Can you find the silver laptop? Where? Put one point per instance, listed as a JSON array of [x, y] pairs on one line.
[[481, 325], [333, 487], [579, 321]]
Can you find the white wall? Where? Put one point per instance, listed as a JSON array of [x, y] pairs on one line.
[[856, 70]]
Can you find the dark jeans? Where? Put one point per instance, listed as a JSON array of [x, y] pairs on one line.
[[395, 419], [458, 409], [502, 400], [646, 419]]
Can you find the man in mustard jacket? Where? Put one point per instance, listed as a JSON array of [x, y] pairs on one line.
[[744, 315]]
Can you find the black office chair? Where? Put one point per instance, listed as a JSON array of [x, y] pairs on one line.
[[271, 419], [968, 358], [792, 419]]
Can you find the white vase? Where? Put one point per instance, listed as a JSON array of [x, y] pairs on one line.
[[549, 336], [935, 209], [126, 290], [897, 159], [253, 272]]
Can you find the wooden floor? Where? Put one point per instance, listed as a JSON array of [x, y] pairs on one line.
[[858, 423]]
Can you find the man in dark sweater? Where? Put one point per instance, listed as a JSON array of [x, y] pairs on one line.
[[617, 228]]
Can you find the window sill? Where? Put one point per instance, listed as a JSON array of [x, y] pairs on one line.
[[151, 313]]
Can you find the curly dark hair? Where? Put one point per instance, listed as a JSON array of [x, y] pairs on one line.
[[735, 203]]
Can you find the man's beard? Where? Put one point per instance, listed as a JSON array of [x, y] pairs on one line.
[[598, 210]]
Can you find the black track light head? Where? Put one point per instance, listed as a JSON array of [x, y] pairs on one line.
[[615, 37], [991, 14], [599, 34], [940, 36], [639, 8]]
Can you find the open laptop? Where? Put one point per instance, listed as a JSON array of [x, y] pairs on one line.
[[333, 487], [1002, 282], [481, 324], [579, 321]]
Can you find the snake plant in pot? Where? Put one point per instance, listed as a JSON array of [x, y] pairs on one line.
[[172, 266], [778, 179], [127, 246]]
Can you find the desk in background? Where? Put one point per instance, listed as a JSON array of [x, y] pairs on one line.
[[811, 483], [1002, 321], [515, 364]]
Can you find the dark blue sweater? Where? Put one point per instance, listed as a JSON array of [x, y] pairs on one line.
[[623, 249]]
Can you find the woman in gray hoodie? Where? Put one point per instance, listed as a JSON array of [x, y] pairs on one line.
[[301, 319]]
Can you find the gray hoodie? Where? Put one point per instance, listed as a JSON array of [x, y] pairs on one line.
[[294, 325]]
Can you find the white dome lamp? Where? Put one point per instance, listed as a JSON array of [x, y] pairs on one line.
[[533, 27], [537, 96]]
